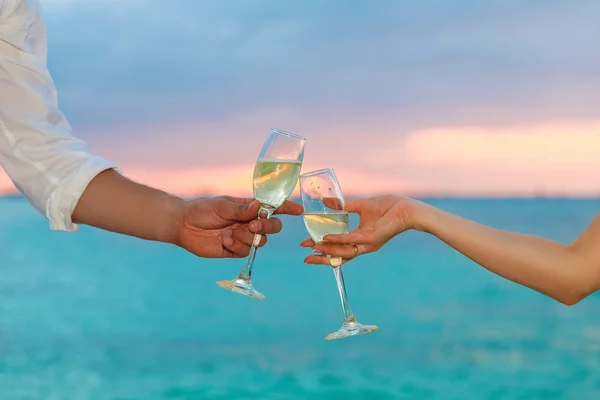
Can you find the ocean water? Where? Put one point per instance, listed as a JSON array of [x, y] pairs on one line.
[[95, 315]]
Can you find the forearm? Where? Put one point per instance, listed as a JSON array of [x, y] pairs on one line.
[[114, 203], [565, 272]]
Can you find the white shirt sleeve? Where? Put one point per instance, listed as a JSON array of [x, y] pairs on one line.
[[47, 164]]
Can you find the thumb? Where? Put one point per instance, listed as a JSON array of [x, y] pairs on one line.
[[231, 211], [336, 204], [353, 206]]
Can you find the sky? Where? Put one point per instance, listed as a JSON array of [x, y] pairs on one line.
[[494, 98]]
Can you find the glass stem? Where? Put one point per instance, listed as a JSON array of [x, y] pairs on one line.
[[246, 274], [339, 277]]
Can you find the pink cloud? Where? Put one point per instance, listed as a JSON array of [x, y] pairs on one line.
[[570, 145], [6, 185], [553, 158]]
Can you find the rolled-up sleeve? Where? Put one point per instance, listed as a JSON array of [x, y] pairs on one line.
[[47, 164]]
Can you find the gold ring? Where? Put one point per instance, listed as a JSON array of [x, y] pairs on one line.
[[356, 252]]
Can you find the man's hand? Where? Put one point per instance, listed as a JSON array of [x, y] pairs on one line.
[[225, 226], [207, 227]]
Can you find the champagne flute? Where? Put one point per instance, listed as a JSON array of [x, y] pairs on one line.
[[275, 177], [325, 213]]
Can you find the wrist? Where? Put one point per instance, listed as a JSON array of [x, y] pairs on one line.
[[173, 211], [423, 217]]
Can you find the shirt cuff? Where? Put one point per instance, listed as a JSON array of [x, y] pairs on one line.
[[64, 199]]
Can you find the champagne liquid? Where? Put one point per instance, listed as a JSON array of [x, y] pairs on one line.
[[321, 224], [275, 180]]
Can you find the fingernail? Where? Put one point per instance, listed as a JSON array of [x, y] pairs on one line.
[[227, 233], [228, 241], [255, 225]]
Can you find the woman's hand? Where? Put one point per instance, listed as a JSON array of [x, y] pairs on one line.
[[381, 218]]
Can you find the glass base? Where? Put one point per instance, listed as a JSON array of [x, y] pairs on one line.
[[241, 286], [351, 328]]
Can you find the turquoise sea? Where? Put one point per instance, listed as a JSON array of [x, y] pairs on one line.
[[94, 315]]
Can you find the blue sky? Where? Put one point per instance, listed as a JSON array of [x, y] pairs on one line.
[[210, 59], [175, 83]]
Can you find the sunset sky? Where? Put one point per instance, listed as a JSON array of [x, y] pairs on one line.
[[429, 97]]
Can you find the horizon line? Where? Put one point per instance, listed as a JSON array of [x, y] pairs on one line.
[[474, 196]]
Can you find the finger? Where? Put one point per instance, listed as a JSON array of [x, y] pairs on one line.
[[357, 236], [320, 260], [290, 208], [346, 252], [245, 237], [265, 226], [231, 211], [334, 203], [249, 237], [352, 206], [236, 247], [228, 253], [307, 243]]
